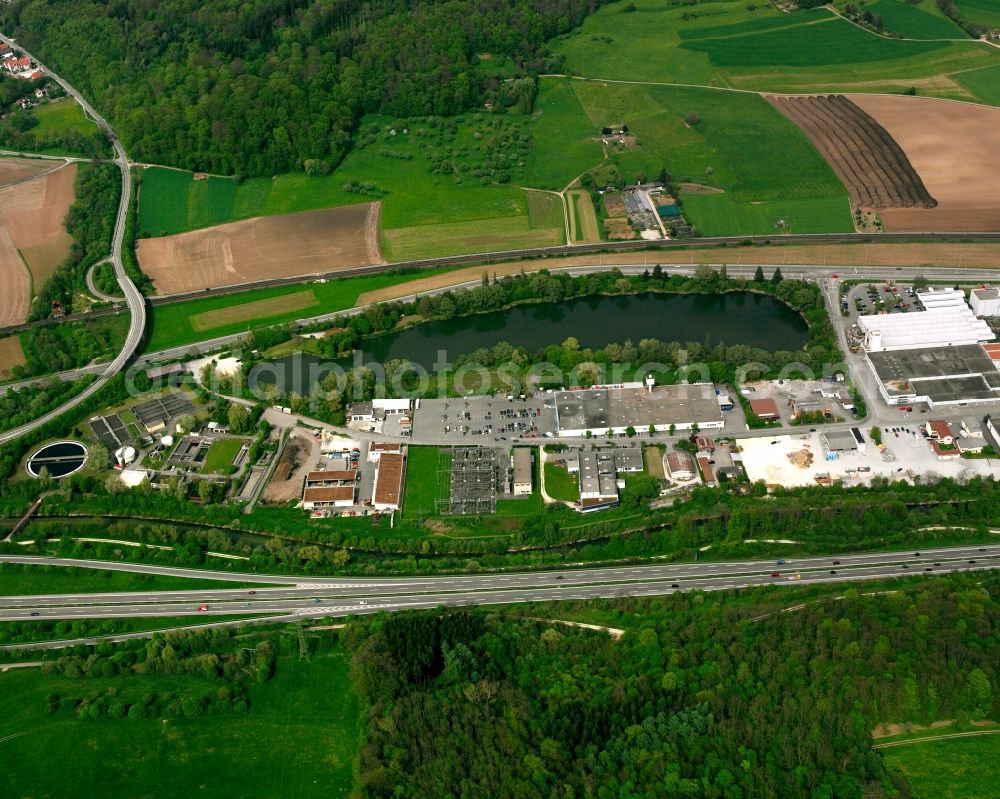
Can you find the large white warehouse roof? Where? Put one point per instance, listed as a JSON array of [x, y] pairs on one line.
[[948, 321]]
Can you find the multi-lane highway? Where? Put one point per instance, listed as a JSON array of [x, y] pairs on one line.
[[133, 297], [295, 597]]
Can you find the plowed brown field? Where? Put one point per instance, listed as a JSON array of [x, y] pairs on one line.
[[13, 170], [871, 165], [31, 220], [954, 147], [262, 248]]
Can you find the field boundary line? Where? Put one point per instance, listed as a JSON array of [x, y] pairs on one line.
[[899, 38], [762, 92], [945, 737]]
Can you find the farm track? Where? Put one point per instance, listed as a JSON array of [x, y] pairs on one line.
[[866, 158]]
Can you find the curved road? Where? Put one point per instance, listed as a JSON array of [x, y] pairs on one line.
[[133, 297]]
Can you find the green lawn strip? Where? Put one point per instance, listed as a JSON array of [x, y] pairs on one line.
[[298, 739], [755, 25], [18, 580], [957, 768], [32, 630], [423, 482], [466, 238], [560, 484], [172, 324], [520, 506], [221, 455]]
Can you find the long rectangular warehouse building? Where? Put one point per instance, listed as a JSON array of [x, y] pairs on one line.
[[616, 408], [947, 322]]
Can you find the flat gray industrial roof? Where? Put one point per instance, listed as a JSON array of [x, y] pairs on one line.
[[839, 441], [629, 459], [597, 473], [944, 374], [931, 362], [522, 465], [638, 407]]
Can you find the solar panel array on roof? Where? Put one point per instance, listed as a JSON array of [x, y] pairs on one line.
[[111, 431], [161, 409]]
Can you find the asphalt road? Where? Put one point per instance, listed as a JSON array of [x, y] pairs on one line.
[[809, 271], [336, 596], [133, 297]]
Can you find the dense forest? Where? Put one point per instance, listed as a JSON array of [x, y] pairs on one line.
[[19, 407], [718, 695], [258, 88]]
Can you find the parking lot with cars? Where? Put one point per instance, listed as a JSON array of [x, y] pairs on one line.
[[874, 298], [484, 419]]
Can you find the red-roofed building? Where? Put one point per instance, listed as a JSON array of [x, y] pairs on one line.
[[330, 488], [938, 430], [17, 64], [707, 475], [329, 497], [993, 353], [945, 452], [765, 408], [388, 490]]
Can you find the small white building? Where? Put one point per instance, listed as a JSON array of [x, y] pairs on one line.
[[985, 301], [379, 448], [391, 407]]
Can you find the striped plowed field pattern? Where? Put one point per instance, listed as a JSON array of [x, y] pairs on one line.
[[872, 166], [953, 147]]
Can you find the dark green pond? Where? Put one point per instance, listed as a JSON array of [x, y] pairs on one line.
[[755, 320]]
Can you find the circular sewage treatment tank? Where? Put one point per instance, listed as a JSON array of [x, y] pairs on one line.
[[59, 459]]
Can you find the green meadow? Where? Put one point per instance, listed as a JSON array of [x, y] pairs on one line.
[[447, 187], [960, 768], [729, 149], [984, 83], [725, 44], [298, 739], [17, 580], [182, 323], [982, 12], [61, 116], [922, 21]]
